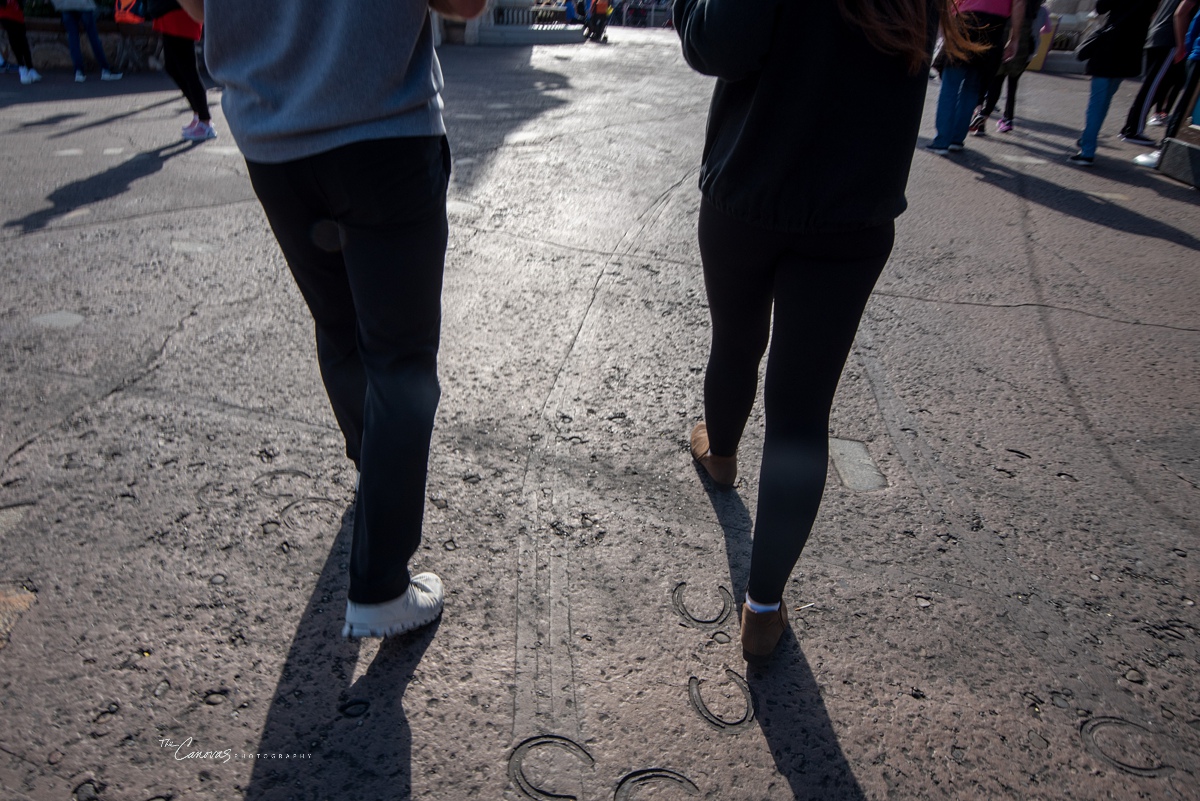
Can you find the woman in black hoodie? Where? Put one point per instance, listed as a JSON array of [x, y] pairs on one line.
[[786, 228]]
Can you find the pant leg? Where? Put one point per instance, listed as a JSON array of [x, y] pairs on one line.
[[821, 289], [1010, 100], [1183, 109], [1100, 97], [953, 77], [992, 96], [1168, 89], [89, 23], [19, 41], [1158, 59], [179, 61], [70, 21], [968, 99], [737, 280], [394, 232]]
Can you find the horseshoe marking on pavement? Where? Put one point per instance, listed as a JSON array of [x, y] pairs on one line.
[[639, 777], [517, 774], [690, 620], [1088, 732], [260, 483], [718, 723], [291, 513]]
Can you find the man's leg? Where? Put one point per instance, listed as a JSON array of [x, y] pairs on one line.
[[947, 106], [89, 23], [70, 21], [1099, 97], [1158, 60], [1183, 108], [389, 200]]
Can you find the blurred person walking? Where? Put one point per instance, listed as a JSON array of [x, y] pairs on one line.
[[1010, 72], [792, 244], [352, 175], [1187, 30], [1160, 64], [1113, 53], [12, 19], [179, 36], [78, 14], [966, 78]]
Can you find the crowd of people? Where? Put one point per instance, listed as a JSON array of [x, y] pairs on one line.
[[1154, 38]]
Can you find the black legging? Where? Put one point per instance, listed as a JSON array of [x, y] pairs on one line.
[[992, 97], [19, 42], [818, 285], [179, 61]]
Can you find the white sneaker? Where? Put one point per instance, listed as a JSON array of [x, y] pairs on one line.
[[417, 607], [105, 75], [29, 75], [1149, 159], [199, 131], [79, 76]]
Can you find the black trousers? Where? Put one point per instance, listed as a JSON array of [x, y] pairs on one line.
[[1183, 106], [815, 286], [19, 42], [1158, 61], [363, 229], [179, 61], [992, 97]]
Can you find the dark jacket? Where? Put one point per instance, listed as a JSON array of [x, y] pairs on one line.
[[775, 155], [1119, 54]]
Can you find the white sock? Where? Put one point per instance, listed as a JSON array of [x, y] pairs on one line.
[[755, 606]]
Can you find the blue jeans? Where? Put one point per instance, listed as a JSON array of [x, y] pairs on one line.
[[71, 21], [1099, 100], [956, 104]]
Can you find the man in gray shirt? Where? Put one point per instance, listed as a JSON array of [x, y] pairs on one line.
[[338, 112]]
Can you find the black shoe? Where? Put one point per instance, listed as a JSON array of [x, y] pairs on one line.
[[1082, 161]]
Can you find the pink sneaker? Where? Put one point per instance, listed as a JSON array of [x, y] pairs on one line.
[[199, 131], [1003, 125]]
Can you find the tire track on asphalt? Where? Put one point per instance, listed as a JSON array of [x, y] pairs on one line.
[[544, 670]]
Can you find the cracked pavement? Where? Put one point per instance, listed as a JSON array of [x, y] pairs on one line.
[[1011, 616]]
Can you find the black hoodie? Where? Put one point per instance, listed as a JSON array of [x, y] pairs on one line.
[[810, 128]]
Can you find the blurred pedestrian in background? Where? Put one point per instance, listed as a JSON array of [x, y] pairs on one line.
[[1161, 72], [12, 19], [1010, 71], [78, 14], [964, 79], [1112, 53], [179, 36], [792, 242]]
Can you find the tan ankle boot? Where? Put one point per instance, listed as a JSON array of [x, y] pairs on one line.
[[761, 631], [721, 469]]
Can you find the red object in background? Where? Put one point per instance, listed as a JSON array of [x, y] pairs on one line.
[[179, 23], [11, 9], [123, 12]]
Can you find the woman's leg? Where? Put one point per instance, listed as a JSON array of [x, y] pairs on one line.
[[947, 106], [992, 96], [19, 42], [179, 61], [71, 23], [821, 289], [1099, 98], [1183, 109], [968, 99], [1010, 100], [89, 23], [737, 279]]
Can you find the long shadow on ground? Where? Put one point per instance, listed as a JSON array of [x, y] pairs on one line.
[[353, 739], [102, 186]]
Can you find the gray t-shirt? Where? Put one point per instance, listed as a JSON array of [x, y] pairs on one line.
[[302, 77], [1162, 27]]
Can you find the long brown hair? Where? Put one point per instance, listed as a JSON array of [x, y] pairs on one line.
[[900, 27]]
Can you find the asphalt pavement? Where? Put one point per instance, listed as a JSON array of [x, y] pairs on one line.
[[998, 600]]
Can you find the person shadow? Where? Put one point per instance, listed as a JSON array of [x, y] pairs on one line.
[[787, 699], [327, 736], [101, 186]]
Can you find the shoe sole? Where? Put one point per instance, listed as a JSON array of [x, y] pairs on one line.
[[353, 630]]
